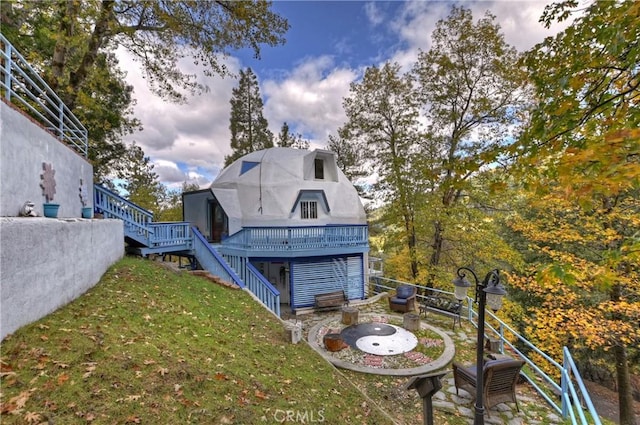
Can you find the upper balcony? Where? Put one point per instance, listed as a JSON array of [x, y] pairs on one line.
[[298, 241]]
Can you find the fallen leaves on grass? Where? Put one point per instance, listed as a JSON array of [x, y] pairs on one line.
[[17, 403]]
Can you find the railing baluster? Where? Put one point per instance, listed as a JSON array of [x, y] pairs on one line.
[[7, 70]]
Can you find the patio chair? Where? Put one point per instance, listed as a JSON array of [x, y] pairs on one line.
[[500, 378], [404, 300]]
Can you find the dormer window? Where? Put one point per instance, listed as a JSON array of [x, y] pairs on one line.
[[311, 204], [308, 210], [319, 168]]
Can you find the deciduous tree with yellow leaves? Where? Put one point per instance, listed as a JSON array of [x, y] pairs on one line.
[[581, 157]]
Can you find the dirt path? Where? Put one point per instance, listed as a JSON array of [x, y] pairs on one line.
[[606, 402]]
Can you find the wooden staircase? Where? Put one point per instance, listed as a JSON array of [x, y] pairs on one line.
[[142, 234]]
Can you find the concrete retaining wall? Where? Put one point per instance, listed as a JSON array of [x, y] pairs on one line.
[[45, 263], [24, 147]]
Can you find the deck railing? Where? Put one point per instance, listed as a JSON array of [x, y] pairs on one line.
[[23, 86], [170, 233], [299, 238], [573, 396], [263, 289]]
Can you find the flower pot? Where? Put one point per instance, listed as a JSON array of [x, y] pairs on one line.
[[50, 210], [87, 212]]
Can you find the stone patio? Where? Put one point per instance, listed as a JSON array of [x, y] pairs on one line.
[[446, 399]]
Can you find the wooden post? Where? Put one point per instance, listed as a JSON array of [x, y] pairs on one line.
[[411, 321], [350, 315]]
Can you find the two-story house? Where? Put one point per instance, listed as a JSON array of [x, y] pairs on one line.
[[294, 216]]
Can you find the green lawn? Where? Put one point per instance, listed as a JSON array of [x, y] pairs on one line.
[[151, 346], [148, 345]]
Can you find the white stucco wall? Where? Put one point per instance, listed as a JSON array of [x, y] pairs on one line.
[[45, 263], [24, 146]]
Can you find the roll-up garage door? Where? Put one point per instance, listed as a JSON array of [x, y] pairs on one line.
[[326, 274]]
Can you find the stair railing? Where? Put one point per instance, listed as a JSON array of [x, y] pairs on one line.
[[112, 205], [212, 261], [263, 289]]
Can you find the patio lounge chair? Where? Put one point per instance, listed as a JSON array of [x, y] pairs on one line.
[[500, 378], [404, 300]]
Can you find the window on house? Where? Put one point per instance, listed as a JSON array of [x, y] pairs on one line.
[[308, 209], [319, 168], [247, 165]]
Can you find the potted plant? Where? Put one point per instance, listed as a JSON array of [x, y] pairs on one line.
[[48, 185], [84, 199]]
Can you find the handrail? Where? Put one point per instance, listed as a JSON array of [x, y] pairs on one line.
[[21, 83], [263, 289], [211, 260], [106, 200], [570, 366], [569, 397]]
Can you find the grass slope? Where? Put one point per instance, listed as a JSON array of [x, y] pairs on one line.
[[147, 345]]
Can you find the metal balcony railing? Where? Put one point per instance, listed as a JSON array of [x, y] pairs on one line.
[[22, 86]]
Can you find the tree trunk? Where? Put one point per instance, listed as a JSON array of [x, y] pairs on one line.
[[625, 397], [95, 43], [449, 198], [438, 239], [412, 250]]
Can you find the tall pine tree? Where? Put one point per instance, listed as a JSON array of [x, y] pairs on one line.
[[287, 139], [249, 128]]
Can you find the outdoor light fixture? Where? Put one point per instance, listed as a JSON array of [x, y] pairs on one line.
[[490, 291]]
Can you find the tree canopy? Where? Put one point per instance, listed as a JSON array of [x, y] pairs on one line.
[[474, 98], [382, 118], [580, 160], [74, 43], [425, 134]]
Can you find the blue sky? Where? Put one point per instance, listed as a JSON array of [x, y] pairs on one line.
[[304, 81], [345, 30]]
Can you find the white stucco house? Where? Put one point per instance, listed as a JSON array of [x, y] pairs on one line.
[[294, 216]]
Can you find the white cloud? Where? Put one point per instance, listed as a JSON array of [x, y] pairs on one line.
[[309, 99], [374, 15], [168, 171], [519, 21], [195, 133]]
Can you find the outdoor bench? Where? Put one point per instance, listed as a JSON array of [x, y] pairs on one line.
[[442, 305], [331, 300]]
